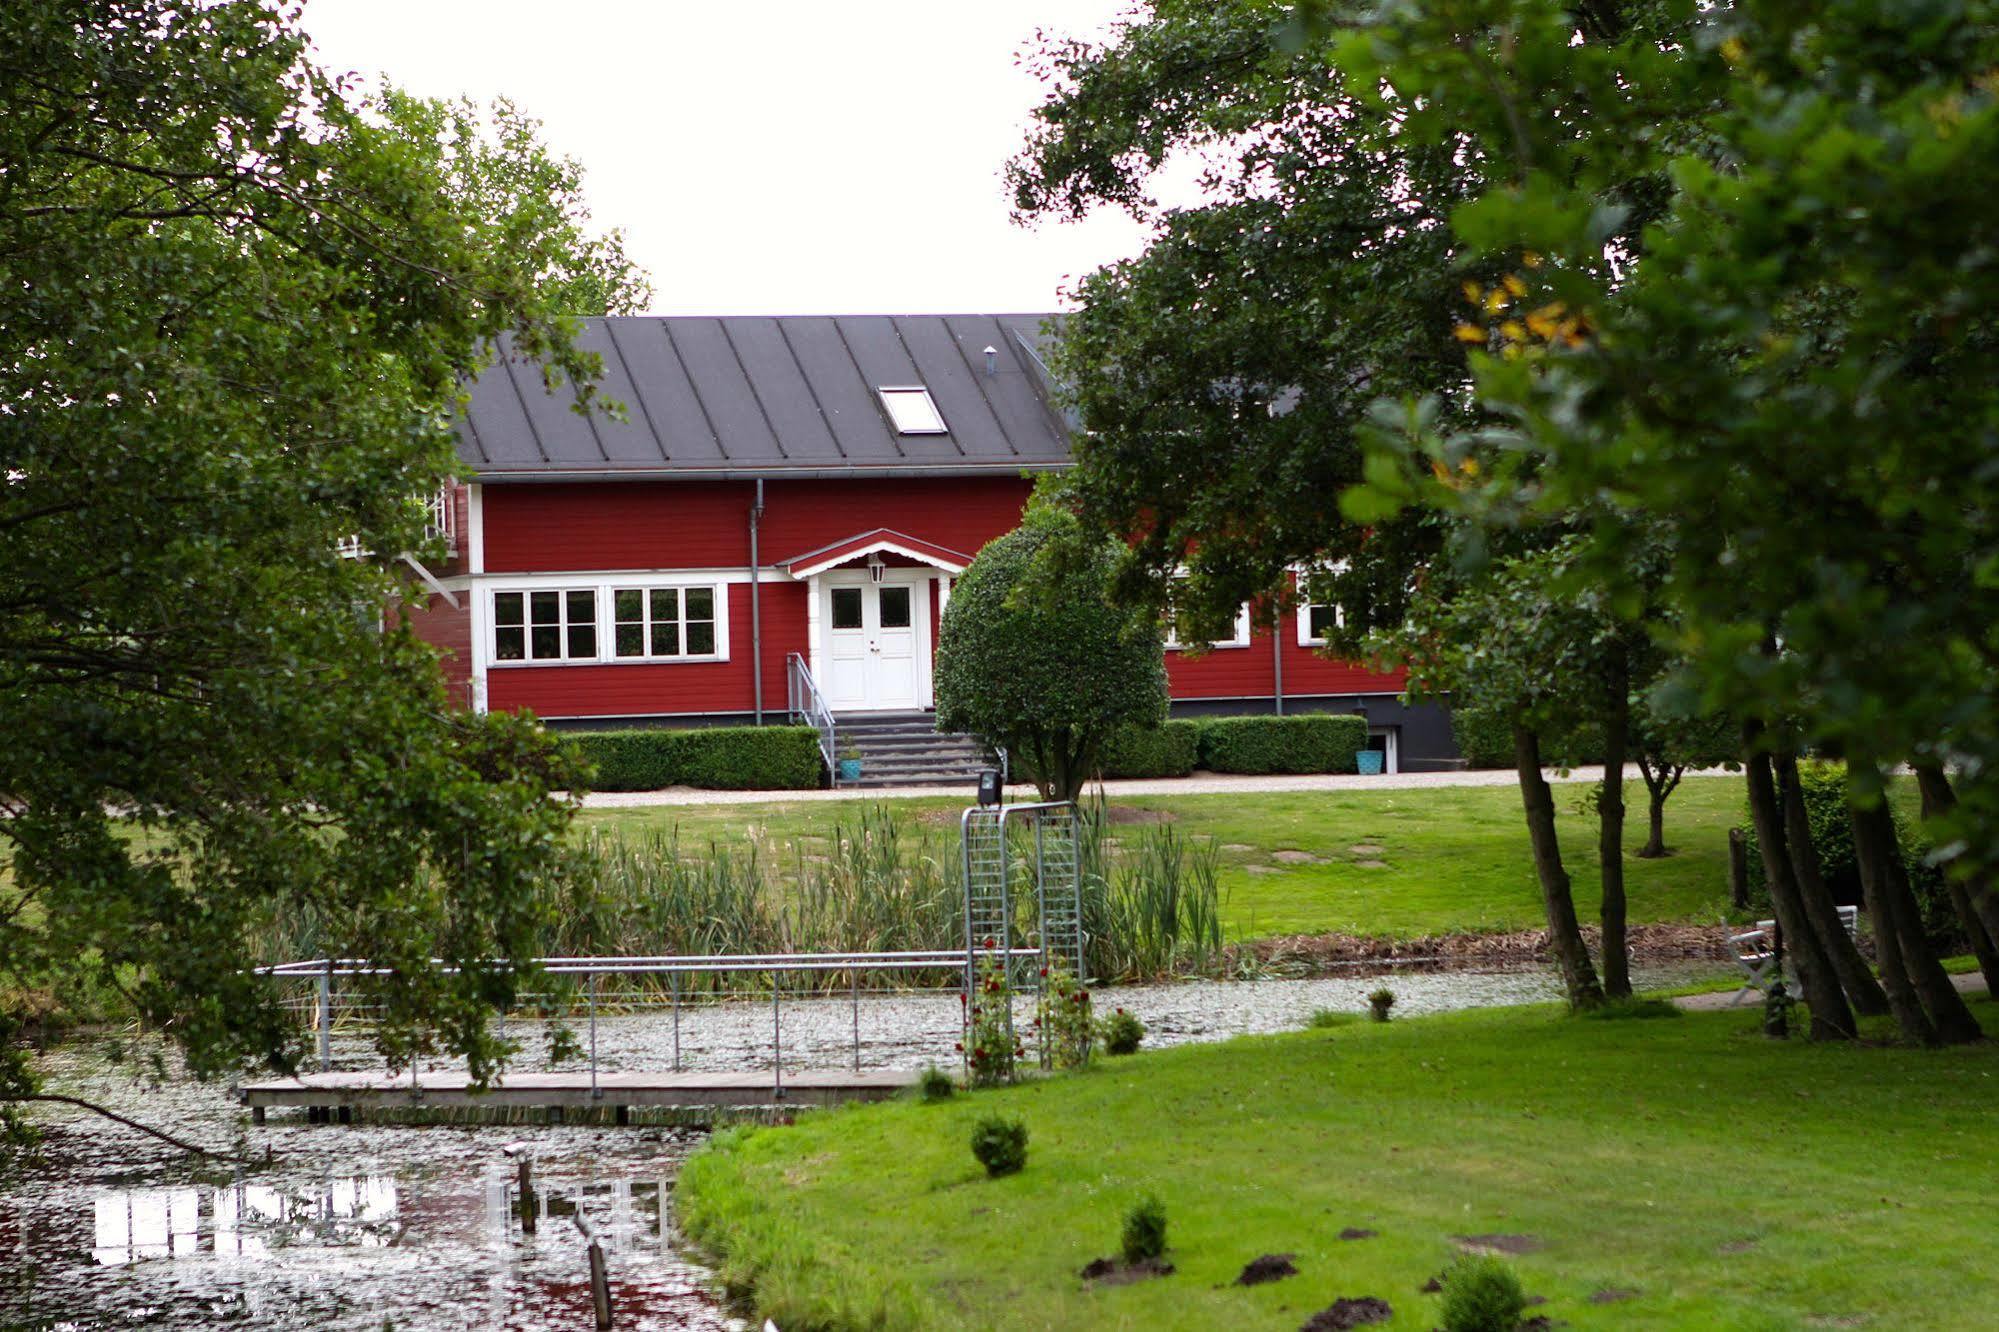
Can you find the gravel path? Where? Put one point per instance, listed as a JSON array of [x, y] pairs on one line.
[[1204, 783]]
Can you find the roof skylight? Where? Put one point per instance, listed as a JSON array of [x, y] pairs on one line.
[[912, 411]]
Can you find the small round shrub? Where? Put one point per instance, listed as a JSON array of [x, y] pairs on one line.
[[1323, 1018], [1122, 1033], [935, 1084], [1379, 1003], [1145, 1230], [1000, 1144], [1482, 1295]]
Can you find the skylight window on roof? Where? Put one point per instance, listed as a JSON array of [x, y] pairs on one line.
[[912, 411]]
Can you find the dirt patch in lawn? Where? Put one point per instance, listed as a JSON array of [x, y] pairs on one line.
[[1613, 1295], [1301, 953], [1499, 1244], [1342, 1314], [1123, 814], [1292, 856], [1356, 1233], [1112, 1272], [1269, 1267], [1366, 849]]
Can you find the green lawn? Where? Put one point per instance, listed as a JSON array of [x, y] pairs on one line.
[[1387, 862], [1730, 1182]]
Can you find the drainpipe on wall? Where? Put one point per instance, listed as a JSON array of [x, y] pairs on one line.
[[1277, 660], [756, 607]]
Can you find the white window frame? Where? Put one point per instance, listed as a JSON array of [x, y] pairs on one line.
[[1241, 639], [603, 589], [439, 524], [563, 625], [718, 603], [895, 396], [1299, 575], [1305, 636]]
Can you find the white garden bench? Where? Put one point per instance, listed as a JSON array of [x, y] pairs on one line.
[[1756, 951]]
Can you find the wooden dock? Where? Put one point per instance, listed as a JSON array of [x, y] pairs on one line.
[[340, 1094]]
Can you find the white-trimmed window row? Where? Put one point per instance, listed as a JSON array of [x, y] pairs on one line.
[[610, 622]]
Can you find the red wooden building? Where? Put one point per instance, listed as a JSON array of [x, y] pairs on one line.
[[799, 488]]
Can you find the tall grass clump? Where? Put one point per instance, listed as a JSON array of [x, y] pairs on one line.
[[1154, 909]]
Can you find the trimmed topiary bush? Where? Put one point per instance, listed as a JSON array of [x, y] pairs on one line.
[[935, 1084], [1312, 742], [1145, 1230], [1482, 1295], [722, 758], [1034, 657], [1000, 1144]]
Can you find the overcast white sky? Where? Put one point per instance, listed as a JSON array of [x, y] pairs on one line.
[[770, 157]]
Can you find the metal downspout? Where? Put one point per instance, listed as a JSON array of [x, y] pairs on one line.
[[756, 607], [1277, 660]]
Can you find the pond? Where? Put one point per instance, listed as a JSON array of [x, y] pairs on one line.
[[355, 1227]]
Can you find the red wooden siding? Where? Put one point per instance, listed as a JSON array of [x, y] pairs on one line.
[[705, 524], [450, 631], [652, 688]]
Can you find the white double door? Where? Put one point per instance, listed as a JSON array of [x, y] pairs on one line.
[[876, 642]]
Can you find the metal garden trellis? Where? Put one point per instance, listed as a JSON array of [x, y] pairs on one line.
[[1050, 861]]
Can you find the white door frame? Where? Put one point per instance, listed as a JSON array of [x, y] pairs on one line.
[[918, 580]]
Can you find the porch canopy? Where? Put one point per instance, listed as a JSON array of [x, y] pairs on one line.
[[879, 541]]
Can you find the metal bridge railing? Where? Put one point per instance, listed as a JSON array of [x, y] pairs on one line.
[[324, 972]]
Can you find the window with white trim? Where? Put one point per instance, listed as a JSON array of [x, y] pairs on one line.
[[1316, 621], [650, 623], [1239, 639], [545, 624]]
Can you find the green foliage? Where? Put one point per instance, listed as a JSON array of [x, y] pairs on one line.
[[1000, 1144], [1482, 1294], [1062, 1021], [1144, 1237], [1170, 749], [991, 1048], [1308, 742], [723, 758], [1824, 787], [1122, 1033], [1214, 374], [1324, 1019], [1483, 733], [935, 1084], [1034, 658], [1379, 1002], [1156, 907], [239, 312]]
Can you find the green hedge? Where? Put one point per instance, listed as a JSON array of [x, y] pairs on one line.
[[1484, 736], [1312, 742], [1169, 750], [723, 758]]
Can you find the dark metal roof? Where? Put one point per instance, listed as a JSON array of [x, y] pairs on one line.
[[788, 396]]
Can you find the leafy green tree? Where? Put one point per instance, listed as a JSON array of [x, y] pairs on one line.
[[1798, 351], [1666, 743], [238, 315], [1034, 657]]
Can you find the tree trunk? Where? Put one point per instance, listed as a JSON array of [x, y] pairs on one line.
[[1831, 1018], [1902, 1001], [1661, 781], [1874, 843], [1564, 932], [1855, 977], [1610, 838], [1976, 905], [1738, 870]]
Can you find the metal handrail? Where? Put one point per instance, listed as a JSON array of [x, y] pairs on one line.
[[808, 705]]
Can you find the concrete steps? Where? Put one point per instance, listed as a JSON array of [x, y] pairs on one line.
[[906, 749]]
